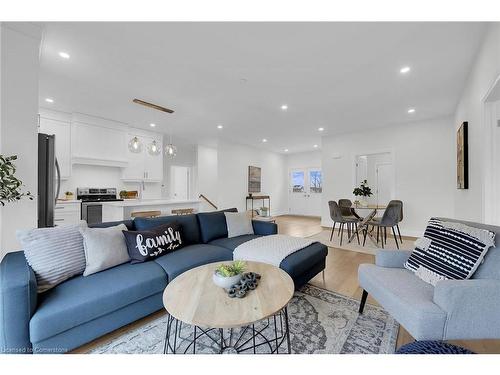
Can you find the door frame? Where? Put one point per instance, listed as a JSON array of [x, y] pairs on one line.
[[306, 186]]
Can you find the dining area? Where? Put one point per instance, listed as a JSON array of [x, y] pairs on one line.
[[359, 221]]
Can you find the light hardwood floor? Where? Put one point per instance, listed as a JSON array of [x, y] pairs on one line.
[[341, 276]]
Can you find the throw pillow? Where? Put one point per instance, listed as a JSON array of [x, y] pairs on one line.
[[449, 250], [238, 224], [213, 224], [54, 254], [150, 244], [104, 248]]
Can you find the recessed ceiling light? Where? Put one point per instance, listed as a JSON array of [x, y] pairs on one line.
[[286, 150], [152, 125], [219, 126], [411, 110], [49, 100], [321, 129], [404, 69], [64, 55], [264, 140], [284, 107], [315, 146]]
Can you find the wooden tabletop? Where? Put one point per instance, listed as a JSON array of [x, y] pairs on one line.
[[193, 298]]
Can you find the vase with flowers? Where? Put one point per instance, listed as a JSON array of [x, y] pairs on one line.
[[362, 192]]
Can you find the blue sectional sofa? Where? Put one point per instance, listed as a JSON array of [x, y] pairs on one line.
[[84, 308]]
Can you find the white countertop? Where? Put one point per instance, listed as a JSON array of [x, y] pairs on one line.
[[61, 201], [149, 202]]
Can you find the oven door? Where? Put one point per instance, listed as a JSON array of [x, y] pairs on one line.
[[92, 212]]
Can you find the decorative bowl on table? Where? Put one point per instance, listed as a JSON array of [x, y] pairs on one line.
[[228, 274]]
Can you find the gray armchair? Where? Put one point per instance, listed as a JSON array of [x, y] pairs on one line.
[[452, 310]]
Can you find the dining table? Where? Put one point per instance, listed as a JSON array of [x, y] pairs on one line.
[[370, 212]]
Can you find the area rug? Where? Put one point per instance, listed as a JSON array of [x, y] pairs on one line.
[[320, 322], [369, 248]]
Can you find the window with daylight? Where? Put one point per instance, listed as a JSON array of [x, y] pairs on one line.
[[315, 182], [298, 181]]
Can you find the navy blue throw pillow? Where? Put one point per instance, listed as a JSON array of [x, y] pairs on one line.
[[149, 244], [213, 224]]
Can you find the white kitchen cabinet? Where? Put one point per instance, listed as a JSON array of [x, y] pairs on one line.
[[62, 131], [143, 166], [95, 144], [67, 213]]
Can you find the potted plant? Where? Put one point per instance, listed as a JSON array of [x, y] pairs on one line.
[[264, 211], [69, 195], [363, 191], [226, 275], [123, 194], [10, 185]]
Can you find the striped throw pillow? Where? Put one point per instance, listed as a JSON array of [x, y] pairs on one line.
[[54, 254], [449, 251]]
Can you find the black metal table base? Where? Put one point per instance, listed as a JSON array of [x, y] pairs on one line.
[[267, 336]]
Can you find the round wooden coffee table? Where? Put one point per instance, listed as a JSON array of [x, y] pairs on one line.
[[192, 298]]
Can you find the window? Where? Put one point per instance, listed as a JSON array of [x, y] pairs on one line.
[[315, 182], [298, 182]]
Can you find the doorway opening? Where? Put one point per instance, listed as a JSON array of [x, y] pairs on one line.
[[305, 189], [378, 170], [180, 182]]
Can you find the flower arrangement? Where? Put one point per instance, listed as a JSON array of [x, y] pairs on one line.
[[230, 270], [10, 185], [363, 190]]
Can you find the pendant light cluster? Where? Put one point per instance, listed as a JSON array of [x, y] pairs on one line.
[[135, 146]]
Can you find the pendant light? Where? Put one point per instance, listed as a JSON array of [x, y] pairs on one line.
[[153, 148], [171, 149], [135, 145]]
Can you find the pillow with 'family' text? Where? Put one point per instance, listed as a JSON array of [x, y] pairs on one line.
[[145, 245]]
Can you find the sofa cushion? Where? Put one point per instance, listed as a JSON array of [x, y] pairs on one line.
[[82, 299], [192, 256], [301, 261], [238, 224], [407, 298], [233, 242], [128, 223], [189, 223], [213, 224]]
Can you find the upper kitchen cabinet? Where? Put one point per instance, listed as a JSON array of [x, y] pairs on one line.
[[58, 124], [147, 163], [97, 141]]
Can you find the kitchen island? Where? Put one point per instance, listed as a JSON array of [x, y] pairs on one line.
[[122, 210]]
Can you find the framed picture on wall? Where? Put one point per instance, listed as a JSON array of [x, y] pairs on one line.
[[254, 178], [462, 157]]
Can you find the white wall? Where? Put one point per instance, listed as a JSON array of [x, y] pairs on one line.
[[19, 49], [469, 203], [310, 159], [424, 154], [206, 178]]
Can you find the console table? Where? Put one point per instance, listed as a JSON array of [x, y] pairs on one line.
[[222, 324], [258, 197]]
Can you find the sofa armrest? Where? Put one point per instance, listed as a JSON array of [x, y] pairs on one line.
[[264, 228], [472, 307], [391, 258], [18, 299]]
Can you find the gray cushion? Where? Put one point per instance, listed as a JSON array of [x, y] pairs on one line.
[[54, 254], [213, 224], [189, 223], [238, 224], [192, 256], [83, 299], [234, 242], [407, 298], [104, 248]]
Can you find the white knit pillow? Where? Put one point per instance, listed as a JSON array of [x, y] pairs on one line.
[[54, 254], [238, 224]]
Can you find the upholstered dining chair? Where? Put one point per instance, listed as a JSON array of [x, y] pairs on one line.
[[337, 217], [390, 219], [347, 212]]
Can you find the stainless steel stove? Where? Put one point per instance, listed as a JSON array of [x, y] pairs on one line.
[[92, 199]]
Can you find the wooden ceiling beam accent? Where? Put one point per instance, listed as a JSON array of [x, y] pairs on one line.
[[151, 105]]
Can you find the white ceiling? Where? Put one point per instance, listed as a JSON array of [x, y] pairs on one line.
[[340, 76]]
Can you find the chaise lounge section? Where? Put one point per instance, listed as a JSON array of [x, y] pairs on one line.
[[82, 309]]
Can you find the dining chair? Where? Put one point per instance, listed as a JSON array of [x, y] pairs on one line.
[[337, 217], [390, 219], [348, 212]]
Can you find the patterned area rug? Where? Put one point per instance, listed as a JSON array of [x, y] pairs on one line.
[[320, 322]]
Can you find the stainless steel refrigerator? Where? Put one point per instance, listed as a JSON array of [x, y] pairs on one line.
[[49, 180]]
